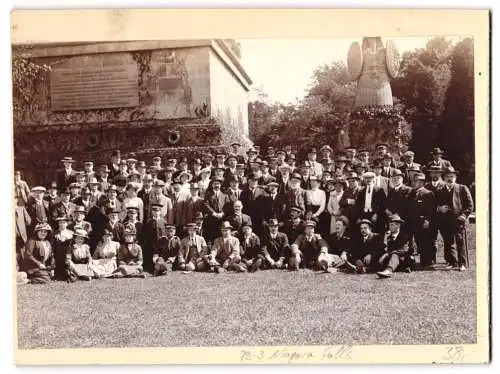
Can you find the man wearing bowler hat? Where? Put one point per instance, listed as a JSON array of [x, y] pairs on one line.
[[225, 252], [273, 205], [251, 197], [275, 247], [397, 254], [421, 211], [454, 205], [437, 159], [368, 249], [215, 201], [397, 196], [114, 164]]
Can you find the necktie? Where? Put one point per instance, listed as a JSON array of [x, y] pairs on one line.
[[369, 189]]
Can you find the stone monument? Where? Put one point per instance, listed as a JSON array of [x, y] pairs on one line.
[[374, 118]]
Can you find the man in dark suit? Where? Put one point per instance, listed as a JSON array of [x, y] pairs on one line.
[[238, 219], [397, 197], [387, 169], [305, 172], [215, 201], [114, 164], [397, 249], [351, 196], [295, 225], [67, 175], [408, 165], [153, 231], [370, 203], [273, 204], [437, 159], [369, 248], [275, 247], [63, 208], [37, 207], [421, 210], [233, 193], [454, 205], [250, 249], [308, 249], [251, 197]]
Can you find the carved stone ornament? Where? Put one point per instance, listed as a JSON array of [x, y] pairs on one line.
[[393, 59]]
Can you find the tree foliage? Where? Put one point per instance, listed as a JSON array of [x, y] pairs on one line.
[[27, 74], [434, 92]]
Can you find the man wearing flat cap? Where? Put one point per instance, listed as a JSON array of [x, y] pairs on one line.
[[273, 205], [421, 212], [438, 160], [397, 253], [316, 167], [407, 165], [351, 194], [308, 249], [454, 205]]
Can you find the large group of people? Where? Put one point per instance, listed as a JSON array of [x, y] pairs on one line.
[[354, 211]]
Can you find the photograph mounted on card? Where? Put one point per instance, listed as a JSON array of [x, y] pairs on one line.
[[227, 193]]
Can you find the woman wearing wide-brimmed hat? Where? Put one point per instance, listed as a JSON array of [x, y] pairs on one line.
[[104, 258], [78, 258], [129, 257], [38, 256]]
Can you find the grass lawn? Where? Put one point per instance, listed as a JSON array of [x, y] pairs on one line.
[[264, 308]]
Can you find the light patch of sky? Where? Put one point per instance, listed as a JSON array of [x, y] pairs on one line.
[[284, 67]]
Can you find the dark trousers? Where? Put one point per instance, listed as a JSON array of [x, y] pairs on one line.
[[393, 261], [454, 244], [433, 232], [370, 262], [425, 245]]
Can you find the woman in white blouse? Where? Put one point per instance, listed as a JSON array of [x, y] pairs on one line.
[[104, 263], [132, 201], [336, 201], [315, 200]]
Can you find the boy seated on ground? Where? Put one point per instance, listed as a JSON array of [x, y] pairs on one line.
[[309, 249]]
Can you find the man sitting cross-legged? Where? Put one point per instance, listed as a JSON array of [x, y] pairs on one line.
[[308, 249], [275, 247], [369, 248], [225, 252], [397, 249], [251, 251], [193, 247]]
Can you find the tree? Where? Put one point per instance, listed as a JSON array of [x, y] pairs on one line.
[[421, 87], [27, 74], [458, 116]]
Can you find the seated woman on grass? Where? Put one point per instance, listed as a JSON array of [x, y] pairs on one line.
[[79, 259], [38, 256], [62, 242], [129, 257], [104, 263]]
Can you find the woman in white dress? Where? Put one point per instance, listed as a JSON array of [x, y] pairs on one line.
[[78, 259], [204, 181], [104, 262]]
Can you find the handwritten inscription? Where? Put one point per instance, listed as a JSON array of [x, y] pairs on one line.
[[330, 354], [94, 88], [454, 354]]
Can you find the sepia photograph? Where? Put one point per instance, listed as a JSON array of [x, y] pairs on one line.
[[248, 191]]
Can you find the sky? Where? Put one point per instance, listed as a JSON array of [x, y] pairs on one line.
[[284, 67]]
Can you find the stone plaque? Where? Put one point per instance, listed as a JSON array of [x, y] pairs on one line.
[[94, 87]]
